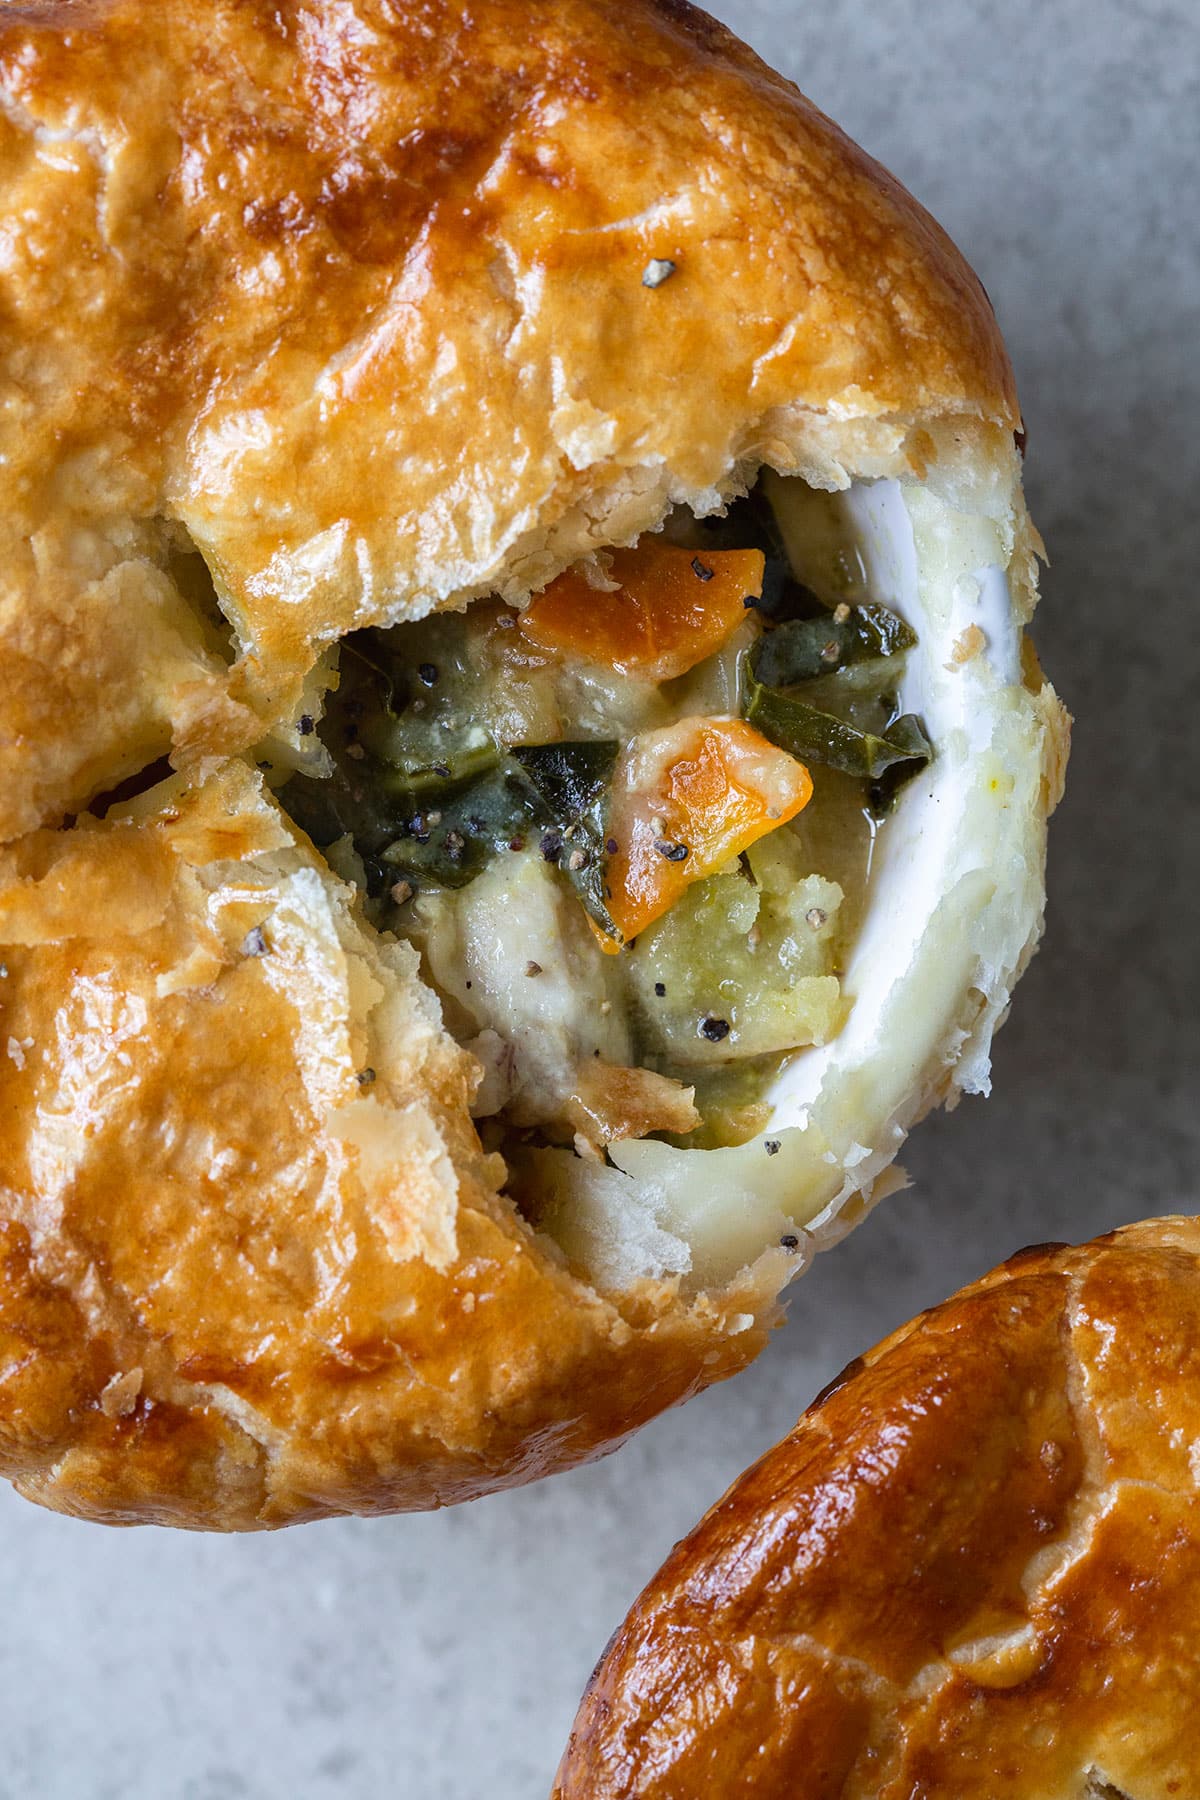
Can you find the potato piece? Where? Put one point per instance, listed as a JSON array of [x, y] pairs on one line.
[[741, 968]]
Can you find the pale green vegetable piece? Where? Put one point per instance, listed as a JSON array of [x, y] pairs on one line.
[[744, 962]]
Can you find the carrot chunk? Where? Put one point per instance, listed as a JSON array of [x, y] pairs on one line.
[[686, 800], [673, 608]]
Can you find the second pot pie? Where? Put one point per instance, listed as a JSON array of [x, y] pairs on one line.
[[972, 1569], [522, 772]]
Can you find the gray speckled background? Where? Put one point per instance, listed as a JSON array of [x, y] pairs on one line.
[[442, 1656]]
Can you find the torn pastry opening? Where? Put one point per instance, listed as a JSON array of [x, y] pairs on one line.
[[694, 848]]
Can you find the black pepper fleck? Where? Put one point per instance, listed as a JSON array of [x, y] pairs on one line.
[[657, 270], [789, 1241], [366, 1077], [442, 769], [673, 852], [771, 1146], [660, 988], [715, 1030], [551, 845], [428, 673], [611, 846], [304, 724], [701, 570]]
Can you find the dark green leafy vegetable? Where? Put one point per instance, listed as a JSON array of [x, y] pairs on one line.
[[805, 649], [847, 657], [424, 793], [570, 777], [554, 792], [820, 737], [417, 785], [444, 828], [571, 781], [337, 805], [451, 838]]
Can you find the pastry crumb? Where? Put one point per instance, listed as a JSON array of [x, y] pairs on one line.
[[119, 1397], [967, 646]]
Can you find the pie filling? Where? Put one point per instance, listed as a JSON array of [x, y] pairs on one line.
[[630, 828]]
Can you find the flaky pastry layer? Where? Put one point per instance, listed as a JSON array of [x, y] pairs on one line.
[[352, 302], [972, 1569], [256, 1267], [355, 298]]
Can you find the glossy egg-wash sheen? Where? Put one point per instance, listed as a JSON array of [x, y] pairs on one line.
[[357, 297], [972, 1569], [353, 300]]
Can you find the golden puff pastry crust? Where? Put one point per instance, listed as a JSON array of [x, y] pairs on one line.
[[973, 1568], [355, 297], [256, 1266], [351, 301]]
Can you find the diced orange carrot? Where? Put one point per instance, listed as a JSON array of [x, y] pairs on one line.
[[686, 800], [673, 608]]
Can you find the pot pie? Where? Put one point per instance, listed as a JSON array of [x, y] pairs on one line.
[[523, 774], [972, 1569]]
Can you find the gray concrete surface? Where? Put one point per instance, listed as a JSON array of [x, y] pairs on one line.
[[433, 1658]]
